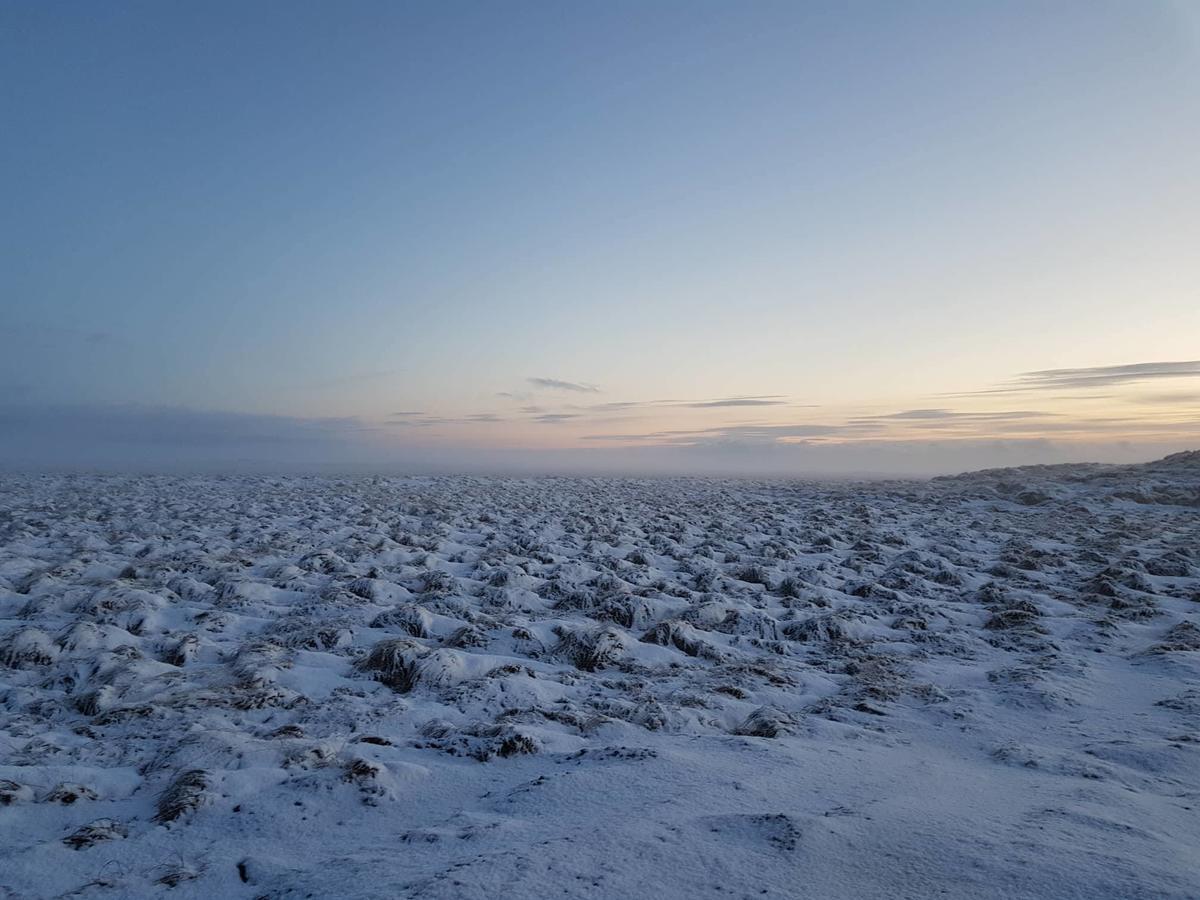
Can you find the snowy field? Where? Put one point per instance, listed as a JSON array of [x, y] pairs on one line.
[[242, 687]]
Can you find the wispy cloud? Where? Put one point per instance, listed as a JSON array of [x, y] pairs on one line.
[[1093, 377], [421, 420], [1102, 376], [771, 400], [554, 418], [930, 415], [557, 384], [615, 406], [711, 403], [623, 405], [731, 433], [1182, 398]]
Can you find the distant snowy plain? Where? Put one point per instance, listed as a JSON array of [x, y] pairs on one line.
[[372, 687]]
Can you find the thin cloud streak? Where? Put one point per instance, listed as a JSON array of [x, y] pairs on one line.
[[1107, 375], [1093, 377], [1170, 399], [950, 414], [755, 433], [713, 403], [735, 401], [557, 384], [419, 420]]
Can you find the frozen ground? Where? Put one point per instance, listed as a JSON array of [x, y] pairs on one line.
[[986, 686]]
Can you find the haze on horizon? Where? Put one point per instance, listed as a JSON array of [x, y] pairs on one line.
[[774, 238]]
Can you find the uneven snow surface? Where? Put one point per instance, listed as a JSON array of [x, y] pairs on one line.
[[984, 686]]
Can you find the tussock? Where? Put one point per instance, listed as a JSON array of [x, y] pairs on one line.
[[1183, 637], [409, 618], [591, 649], [394, 662], [12, 792], [186, 793], [680, 635], [94, 833], [28, 648], [767, 722]]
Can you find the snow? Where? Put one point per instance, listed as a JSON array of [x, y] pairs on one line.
[[984, 686]]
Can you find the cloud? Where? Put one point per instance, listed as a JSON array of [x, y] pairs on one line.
[[757, 434], [736, 401], [712, 403], [920, 414], [421, 420], [914, 414], [1187, 399], [1100, 426], [1102, 376], [553, 418], [555, 384], [861, 427], [1094, 377], [613, 406], [927, 415], [622, 405]]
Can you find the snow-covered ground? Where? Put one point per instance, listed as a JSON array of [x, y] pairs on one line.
[[983, 686]]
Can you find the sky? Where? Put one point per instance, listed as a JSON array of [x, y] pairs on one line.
[[741, 238]]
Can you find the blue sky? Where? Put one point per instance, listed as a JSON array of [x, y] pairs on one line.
[[666, 236]]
